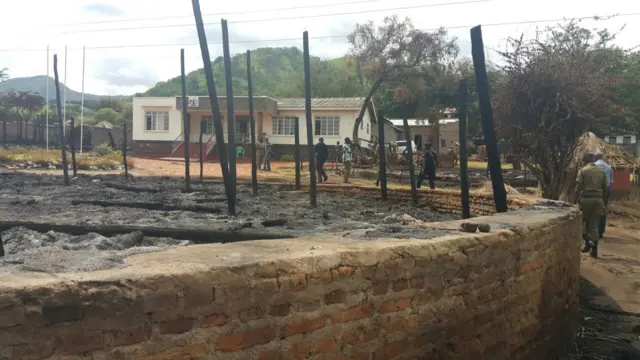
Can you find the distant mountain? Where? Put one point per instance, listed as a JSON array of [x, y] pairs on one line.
[[276, 72], [38, 84]]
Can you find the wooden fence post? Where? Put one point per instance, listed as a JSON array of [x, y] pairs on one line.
[[63, 150], [124, 152], [464, 156], [307, 105], [72, 135], [187, 126], [252, 123]]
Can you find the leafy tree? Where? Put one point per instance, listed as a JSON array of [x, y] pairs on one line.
[[397, 54], [3, 74], [22, 105], [555, 88], [107, 114]]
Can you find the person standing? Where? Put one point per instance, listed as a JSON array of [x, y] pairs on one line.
[[347, 159], [592, 188], [428, 167], [267, 155], [322, 154], [609, 172]]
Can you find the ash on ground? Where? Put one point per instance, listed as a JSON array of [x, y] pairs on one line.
[[277, 210], [55, 252]]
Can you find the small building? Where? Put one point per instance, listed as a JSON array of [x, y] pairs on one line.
[[104, 124], [392, 133], [158, 125], [627, 142], [423, 131]]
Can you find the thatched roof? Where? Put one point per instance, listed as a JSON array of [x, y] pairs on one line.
[[614, 155]]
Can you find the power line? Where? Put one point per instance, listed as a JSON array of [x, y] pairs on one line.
[[219, 14], [278, 18], [595, 17]]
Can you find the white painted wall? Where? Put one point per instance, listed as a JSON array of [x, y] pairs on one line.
[[144, 104], [347, 119]]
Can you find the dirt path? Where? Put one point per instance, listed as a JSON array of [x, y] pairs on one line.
[[610, 291]]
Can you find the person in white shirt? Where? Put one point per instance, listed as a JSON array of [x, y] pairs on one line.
[[609, 172]]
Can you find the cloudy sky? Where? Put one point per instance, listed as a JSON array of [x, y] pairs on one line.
[[132, 44]]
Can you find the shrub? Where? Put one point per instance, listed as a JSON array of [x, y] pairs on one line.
[[102, 149]]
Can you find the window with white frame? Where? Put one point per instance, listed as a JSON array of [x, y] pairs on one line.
[[327, 126], [157, 120], [284, 125], [208, 124]]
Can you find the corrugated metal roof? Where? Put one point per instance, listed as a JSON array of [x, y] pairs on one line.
[[326, 103], [415, 122]]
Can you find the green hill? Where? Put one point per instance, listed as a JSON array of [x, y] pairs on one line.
[[38, 84], [276, 72]]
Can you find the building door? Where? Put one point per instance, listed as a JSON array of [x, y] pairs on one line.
[[242, 126], [418, 141]]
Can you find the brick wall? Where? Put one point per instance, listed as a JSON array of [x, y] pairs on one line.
[[511, 294]]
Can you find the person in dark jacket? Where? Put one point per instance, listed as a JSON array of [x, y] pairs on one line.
[[322, 155], [428, 167]]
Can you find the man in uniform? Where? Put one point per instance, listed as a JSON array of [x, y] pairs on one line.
[[592, 187], [609, 172], [322, 154], [347, 159], [428, 167]]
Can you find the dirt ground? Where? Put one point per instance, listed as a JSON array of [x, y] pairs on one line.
[[610, 291]]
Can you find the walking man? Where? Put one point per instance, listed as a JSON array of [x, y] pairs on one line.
[[428, 167], [347, 159], [609, 172], [267, 155], [322, 154], [592, 188]]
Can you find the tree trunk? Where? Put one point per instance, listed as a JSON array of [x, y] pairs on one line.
[[367, 100]]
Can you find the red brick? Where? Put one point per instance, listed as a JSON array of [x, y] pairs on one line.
[[417, 282], [324, 276], [393, 325], [391, 350], [371, 333], [394, 305], [353, 313], [270, 355], [160, 301], [335, 297], [400, 285], [194, 298], [214, 320], [245, 339], [532, 265], [301, 351], [81, 343], [305, 326], [351, 337], [250, 314], [390, 265], [308, 306], [345, 271], [130, 336], [380, 287], [177, 326], [280, 310], [293, 282], [368, 272], [326, 346], [265, 285], [406, 263]]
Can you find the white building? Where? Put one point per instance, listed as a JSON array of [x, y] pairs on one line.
[[158, 129]]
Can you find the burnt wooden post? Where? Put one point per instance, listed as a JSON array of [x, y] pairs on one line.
[[1, 246], [231, 123], [215, 108], [382, 150], [296, 152], [125, 144], [464, 156], [203, 128], [486, 113], [63, 149], [187, 127], [72, 138], [307, 105], [252, 123], [412, 172], [4, 133]]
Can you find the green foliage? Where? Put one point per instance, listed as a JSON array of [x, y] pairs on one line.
[[103, 149], [286, 157], [107, 114]]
